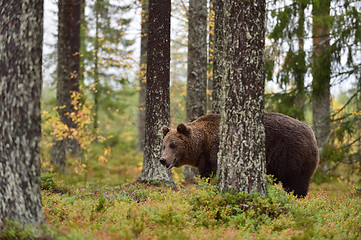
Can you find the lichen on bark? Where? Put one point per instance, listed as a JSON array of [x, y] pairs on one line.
[[197, 68], [157, 91], [241, 158], [21, 29]]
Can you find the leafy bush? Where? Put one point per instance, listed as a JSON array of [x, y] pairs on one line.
[[236, 209]]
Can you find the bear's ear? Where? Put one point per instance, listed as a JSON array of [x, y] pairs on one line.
[[183, 129], [165, 130]]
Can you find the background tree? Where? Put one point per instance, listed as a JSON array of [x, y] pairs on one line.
[[106, 58], [67, 75], [197, 67], [142, 75], [241, 157], [287, 30], [21, 29], [317, 45], [217, 56], [321, 72], [157, 90], [210, 24]]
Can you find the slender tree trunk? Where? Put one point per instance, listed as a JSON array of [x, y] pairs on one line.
[[197, 59], [321, 72], [68, 75], [96, 89], [301, 63], [21, 30], [210, 55], [157, 92], [142, 75], [241, 157], [197, 67], [217, 56], [83, 29]]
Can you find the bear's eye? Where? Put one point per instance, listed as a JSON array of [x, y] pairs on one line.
[[172, 145]]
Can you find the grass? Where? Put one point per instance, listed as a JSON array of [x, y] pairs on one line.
[[107, 204], [143, 211]]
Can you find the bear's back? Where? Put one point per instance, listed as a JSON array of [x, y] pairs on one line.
[[291, 148], [208, 123]]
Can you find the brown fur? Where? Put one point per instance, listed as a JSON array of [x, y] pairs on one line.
[[291, 149]]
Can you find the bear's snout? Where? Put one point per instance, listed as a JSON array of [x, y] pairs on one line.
[[163, 161]]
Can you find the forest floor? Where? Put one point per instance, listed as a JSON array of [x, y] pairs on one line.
[[107, 204]]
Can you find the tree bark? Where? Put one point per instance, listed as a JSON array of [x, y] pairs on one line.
[[210, 55], [300, 68], [217, 56], [157, 112], [142, 75], [197, 67], [68, 75], [197, 59], [241, 157], [96, 89], [321, 73], [21, 30]]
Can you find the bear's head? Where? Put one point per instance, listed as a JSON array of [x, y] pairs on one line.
[[175, 146]]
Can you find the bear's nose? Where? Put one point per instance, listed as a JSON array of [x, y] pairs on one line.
[[163, 161]]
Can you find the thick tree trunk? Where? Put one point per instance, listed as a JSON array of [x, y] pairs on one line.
[[217, 56], [321, 72], [197, 67], [68, 75], [241, 157], [21, 30], [142, 75], [157, 92]]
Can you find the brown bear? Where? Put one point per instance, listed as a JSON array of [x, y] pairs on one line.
[[291, 149]]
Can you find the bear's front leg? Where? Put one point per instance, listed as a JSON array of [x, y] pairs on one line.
[[205, 167]]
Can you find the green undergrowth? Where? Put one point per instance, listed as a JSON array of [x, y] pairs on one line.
[[143, 211]]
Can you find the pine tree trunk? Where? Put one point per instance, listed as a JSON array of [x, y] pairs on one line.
[[241, 157], [83, 31], [142, 75], [68, 75], [301, 64], [321, 72], [197, 67], [21, 30], [210, 55], [157, 92], [96, 89], [217, 56], [197, 60]]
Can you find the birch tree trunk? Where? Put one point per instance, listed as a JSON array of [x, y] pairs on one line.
[[197, 67], [157, 112], [68, 75], [142, 75], [321, 73], [217, 56], [21, 30], [241, 156]]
